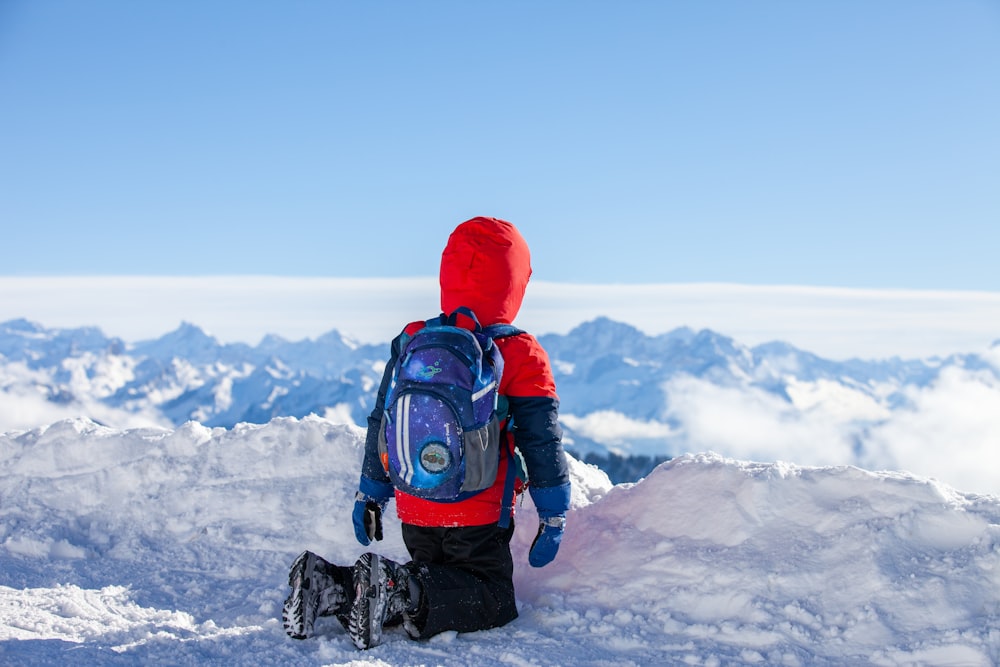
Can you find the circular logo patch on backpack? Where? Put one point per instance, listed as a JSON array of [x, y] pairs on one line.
[[435, 457]]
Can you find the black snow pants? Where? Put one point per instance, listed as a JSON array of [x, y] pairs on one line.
[[466, 575]]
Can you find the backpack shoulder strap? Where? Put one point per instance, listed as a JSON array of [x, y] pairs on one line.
[[495, 331]]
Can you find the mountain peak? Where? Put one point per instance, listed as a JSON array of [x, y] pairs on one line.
[[189, 329], [23, 339], [188, 340], [21, 325], [271, 341], [336, 339], [605, 327]]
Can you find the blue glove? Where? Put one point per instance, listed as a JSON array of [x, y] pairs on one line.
[[546, 544], [369, 503], [551, 503]]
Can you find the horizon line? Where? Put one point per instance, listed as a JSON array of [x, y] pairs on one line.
[[833, 322], [710, 284]]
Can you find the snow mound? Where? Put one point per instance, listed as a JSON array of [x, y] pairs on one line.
[[172, 546], [793, 565]]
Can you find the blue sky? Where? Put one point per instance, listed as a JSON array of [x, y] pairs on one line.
[[841, 143]]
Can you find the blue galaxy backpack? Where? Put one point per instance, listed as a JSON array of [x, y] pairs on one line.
[[440, 435]]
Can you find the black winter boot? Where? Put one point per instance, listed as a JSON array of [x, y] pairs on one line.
[[381, 595], [319, 588]]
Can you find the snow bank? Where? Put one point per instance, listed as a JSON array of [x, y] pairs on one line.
[[792, 565], [172, 546]]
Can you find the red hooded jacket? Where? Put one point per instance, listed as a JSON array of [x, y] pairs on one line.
[[485, 267]]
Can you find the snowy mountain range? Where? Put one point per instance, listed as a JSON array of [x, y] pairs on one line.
[[622, 392]]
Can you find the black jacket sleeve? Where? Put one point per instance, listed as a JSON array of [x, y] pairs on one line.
[[539, 439]]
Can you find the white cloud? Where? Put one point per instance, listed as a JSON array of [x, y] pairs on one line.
[[837, 323], [232, 308], [750, 423], [835, 400], [23, 405], [23, 410], [951, 432], [616, 431], [831, 322]]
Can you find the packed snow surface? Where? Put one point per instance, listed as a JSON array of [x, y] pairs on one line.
[[151, 546]]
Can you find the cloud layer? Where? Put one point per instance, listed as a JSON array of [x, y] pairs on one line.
[[831, 322], [948, 430]]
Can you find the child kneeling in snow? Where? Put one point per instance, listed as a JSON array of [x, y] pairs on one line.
[[461, 574]]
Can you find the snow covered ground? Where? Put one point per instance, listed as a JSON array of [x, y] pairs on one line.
[[151, 546]]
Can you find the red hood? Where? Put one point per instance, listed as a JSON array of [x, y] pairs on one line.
[[485, 267]]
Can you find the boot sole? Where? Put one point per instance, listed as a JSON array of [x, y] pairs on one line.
[[364, 622], [294, 611]]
